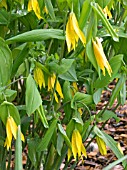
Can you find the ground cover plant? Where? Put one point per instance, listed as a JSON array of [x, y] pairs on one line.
[[57, 57]]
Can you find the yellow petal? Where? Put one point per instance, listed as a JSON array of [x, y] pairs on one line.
[[69, 153], [74, 146], [101, 145], [77, 29], [78, 142], [30, 5], [49, 83], [58, 89], [83, 150], [34, 5], [39, 77], [22, 137], [71, 37], [13, 127], [9, 133], [100, 57], [74, 84], [80, 111], [53, 78], [7, 143], [56, 98], [107, 12]]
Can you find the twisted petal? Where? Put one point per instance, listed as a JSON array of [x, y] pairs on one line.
[[13, 126], [73, 32], [71, 37], [100, 57], [58, 89], [77, 29], [39, 77], [34, 5]]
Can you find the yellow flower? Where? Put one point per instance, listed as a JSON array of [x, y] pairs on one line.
[[107, 12], [100, 57], [73, 32], [34, 5], [11, 129], [101, 146], [39, 77], [51, 83], [77, 145]]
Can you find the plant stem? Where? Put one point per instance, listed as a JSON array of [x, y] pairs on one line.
[[9, 159]]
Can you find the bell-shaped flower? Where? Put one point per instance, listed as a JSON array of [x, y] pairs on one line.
[[11, 129], [100, 57], [39, 77], [34, 5], [73, 33], [101, 145], [77, 145], [51, 84]]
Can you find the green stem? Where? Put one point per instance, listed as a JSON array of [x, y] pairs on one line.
[[9, 160], [59, 159]]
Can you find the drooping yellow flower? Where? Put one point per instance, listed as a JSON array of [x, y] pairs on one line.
[[101, 145], [100, 57], [34, 5], [11, 129], [77, 145], [107, 12], [39, 77], [51, 83], [73, 32]]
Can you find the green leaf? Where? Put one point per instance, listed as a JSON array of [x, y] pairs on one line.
[[108, 114], [32, 153], [62, 131], [117, 89], [70, 75], [50, 9], [33, 98], [18, 151], [85, 13], [122, 95], [41, 113], [105, 21], [20, 59], [115, 64], [8, 94], [103, 3], [67, 97], [47, 137], [37, 35], [5, 63], [63, 67], [7, 108], [110, 142], [111, 165], [97, 96], [60, 141], [3, 17], [81, 98]]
